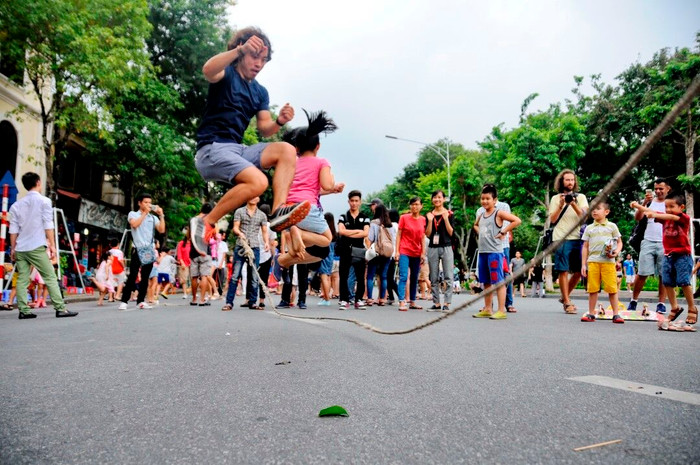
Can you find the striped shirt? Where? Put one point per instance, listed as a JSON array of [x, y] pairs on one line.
[[597, 235]]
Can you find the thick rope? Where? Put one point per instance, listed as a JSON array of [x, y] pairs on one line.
[[692, 92]]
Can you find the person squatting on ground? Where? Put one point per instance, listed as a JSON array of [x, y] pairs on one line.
[[383, 235], [492, 261], [143, 228], [308, 241], [410, 252], [565, 210], [439, 231], [166, 277], [248, 223], [234, 97], [651, 251], [104, 280], [31, 236], [677, 262], [602, 243], [353, 228]]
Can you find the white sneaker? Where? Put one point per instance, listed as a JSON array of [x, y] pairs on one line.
[[145, 306], [122, 306]]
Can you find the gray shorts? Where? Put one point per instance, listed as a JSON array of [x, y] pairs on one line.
[[221, 161], [651, 255], [201, 266]]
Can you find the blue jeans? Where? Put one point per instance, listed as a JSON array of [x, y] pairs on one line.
[[406, 263], [238, 262], [509, 289], [377, 265]]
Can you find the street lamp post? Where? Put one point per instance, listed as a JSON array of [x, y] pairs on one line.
[[445, 156]]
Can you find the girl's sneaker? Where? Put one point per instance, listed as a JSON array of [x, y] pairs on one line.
[[324, 303], [499, 316], [587, 317], [618, 319], [483, 314]]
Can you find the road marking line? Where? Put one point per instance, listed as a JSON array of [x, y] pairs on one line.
[[639, 388]]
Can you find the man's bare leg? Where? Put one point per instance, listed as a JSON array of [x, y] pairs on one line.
[[283, 157], [249, 183]]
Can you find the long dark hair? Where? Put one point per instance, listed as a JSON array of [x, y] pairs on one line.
[[381, 213], [306, 138], [331, 224]]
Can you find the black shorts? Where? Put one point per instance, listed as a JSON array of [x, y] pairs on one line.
[[319, 252]]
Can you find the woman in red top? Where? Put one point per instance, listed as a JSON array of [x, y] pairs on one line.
[[410, 251], [182, 254]]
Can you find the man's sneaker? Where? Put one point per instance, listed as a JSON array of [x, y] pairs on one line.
[[302, 305], [145, 306], [65, 313], [632, 306], [587, 317], [283, 304], [499, 316], [122, 306], [342, 305], [618, 319], [26, 315], [289, 215], [200, 234], [661, 308], [360, 305]]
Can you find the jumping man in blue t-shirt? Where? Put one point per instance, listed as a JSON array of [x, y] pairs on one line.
[[234, 98]]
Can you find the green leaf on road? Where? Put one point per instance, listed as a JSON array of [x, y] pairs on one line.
[[334, 411]]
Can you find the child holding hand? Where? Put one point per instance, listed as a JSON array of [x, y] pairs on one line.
[[677, 264]]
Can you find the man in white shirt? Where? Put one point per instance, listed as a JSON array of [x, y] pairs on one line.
[[651, 252], [31, 234]]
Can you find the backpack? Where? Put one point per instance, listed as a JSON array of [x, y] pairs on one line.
[[383, 244]]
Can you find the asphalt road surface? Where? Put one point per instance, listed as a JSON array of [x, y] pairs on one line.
[[182, 384]]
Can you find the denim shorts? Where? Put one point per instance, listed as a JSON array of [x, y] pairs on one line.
[[222, 161], [568, 257], [676, 270], [326, 266], [491, 268], [314, 222]]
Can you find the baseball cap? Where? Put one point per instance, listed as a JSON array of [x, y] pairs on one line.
[[375, 202]]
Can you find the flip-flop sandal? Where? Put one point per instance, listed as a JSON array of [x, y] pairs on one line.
[[570, 306], [675, 313], [194, 304], [679, 328], [227, 308], [205, 304], [415, 307], [511, 310]]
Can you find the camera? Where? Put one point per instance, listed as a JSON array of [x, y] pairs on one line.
[[569, 197], [154, 208]]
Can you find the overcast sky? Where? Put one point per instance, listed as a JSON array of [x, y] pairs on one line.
[[426, 70]]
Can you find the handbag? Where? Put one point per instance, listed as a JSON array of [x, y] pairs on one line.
[[357, 254], [549, 232], [635, 240], [371, 253], [147, 254]]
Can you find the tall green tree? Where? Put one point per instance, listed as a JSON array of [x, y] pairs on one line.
[[76, 54]]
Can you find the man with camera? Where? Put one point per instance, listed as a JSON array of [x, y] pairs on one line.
[[566, 209], [144, 223]]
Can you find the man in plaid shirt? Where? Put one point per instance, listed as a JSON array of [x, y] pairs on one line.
[[248, 222]]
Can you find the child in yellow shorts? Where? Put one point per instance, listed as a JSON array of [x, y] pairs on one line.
[[601, 244]]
